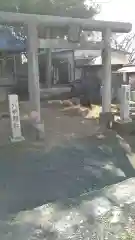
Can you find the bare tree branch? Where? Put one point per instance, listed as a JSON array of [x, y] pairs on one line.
[[126, 44]]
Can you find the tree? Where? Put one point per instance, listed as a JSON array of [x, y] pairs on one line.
[[72, 8], [125, 44], [69, 8]]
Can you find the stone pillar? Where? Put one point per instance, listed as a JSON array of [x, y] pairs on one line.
[[48, 62], [125, 103], [106, 81], [125, 78], [33, 69]]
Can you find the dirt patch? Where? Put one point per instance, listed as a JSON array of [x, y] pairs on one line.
[[93, 113]]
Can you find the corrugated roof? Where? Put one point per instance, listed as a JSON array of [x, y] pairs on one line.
[[127, 69]]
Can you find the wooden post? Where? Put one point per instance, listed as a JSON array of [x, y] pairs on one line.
[[71, 66], [33, 69], [106, 81], [72, 62], [48, 62]]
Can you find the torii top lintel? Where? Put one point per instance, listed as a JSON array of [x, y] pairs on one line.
[[57, 21]]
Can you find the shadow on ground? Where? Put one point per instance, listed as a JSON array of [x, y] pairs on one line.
[[31, 177]]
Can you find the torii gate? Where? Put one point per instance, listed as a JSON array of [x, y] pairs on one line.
[[32, 21]]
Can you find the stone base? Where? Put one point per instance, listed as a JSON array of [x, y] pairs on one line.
[[40, 131], [37, 125], [106, 119], [124, 121], [17, 139], [123, 127]]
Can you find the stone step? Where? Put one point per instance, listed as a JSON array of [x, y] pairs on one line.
[[103, 214]]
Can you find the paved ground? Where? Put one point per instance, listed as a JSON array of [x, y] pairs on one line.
[[105, 214], [74, 159]]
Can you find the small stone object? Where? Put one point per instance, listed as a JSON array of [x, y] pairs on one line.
[[38, 125], [35, 116]]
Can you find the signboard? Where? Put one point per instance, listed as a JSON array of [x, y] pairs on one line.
[[15, 118]]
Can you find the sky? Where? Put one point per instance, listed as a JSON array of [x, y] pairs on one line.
[[117, 10]]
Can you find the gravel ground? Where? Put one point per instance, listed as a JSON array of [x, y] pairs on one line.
[[75, 159]]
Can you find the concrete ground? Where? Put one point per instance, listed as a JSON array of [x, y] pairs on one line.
[[76, 158]]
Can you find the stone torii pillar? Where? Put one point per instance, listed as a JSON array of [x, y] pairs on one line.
[[33, 68], [106, 71]]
